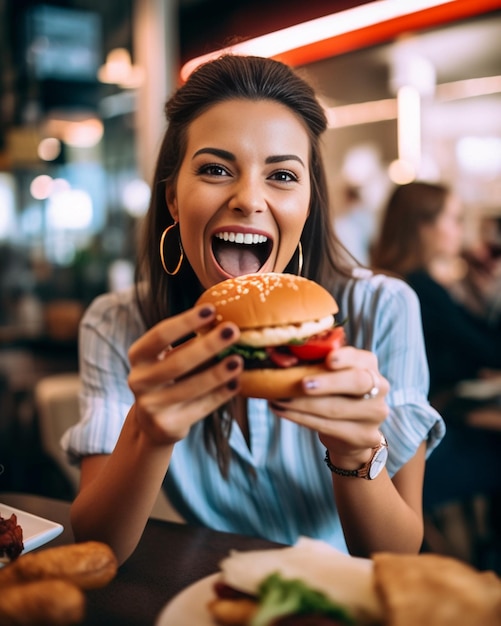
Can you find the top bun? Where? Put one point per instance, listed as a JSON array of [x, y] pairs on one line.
[[270, 299]]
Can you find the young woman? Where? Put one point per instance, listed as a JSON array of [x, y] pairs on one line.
[[422, 230], [239, 187]]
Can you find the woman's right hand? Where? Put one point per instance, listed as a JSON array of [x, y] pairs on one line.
[[176, 387]]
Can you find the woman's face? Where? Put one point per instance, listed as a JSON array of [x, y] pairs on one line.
[[243, 191], [444, 238]]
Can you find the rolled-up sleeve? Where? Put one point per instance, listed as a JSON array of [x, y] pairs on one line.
[[387, 321], [108, 328]]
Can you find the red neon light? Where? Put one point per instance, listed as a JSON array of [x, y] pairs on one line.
[[384, 31]]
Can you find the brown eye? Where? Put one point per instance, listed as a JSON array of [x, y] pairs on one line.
[[284, 176], [213, 169]]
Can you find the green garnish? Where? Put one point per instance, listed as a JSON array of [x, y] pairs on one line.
[[247, 352], [279, 596]]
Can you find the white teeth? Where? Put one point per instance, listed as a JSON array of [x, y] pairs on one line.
[[247, 238]]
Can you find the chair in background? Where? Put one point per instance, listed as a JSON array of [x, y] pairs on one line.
[[461, 496], [56, 400], [57, 406]]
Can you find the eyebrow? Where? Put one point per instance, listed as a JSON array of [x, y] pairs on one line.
[[229, 156], [284, 157]]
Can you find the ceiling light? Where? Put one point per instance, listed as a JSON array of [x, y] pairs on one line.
[[76, 131], [322, 37], [469, 88], [70, 209], [49, 149], [118, 70], [401, 172], [409, 125], [84, 134], [386, 109], [361, 113], [41, 187]]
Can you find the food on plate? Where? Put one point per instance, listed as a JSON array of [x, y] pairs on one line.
[[45, 588], [313, 584], [287, 329], [308, 583], [42, 603], [87, 565], [11, 538], [435, 590]]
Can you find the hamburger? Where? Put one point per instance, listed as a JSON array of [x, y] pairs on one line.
[[313, 584], [310, 583], [287, 326]]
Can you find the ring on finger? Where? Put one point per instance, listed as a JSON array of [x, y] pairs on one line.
[[374, 390]]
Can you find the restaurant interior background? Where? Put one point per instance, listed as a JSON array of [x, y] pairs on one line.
[[78, 142]]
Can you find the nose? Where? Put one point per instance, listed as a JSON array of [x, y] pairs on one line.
[[248, 196]]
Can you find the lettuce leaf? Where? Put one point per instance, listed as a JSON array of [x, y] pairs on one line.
[[278, 597], [246, 352]]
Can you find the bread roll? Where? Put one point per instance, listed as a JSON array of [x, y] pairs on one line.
[[283, 382], [435, 590], [273, 310], [42, 603], [88, 565]]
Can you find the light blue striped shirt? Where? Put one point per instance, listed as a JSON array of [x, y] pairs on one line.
[[280, 488]]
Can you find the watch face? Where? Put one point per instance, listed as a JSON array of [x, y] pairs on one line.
[[378, 462]]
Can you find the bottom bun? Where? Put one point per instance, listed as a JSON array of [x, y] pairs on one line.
[[271, 384]]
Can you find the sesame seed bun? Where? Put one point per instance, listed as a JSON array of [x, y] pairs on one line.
[[273, 309]]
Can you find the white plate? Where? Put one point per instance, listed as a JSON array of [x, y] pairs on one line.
[[36, 530], [189, 608]]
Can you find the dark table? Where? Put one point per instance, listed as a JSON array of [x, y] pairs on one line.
[[169, 557]]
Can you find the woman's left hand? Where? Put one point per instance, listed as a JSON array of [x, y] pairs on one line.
[[339, 405]]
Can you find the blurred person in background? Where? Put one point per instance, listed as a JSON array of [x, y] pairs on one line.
[[354, 223], [15, 281], [480, 288], [421, 239]]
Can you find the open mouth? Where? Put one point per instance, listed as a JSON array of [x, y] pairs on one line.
[[241, 253]]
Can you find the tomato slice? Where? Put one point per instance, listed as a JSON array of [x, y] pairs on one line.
[[318, 347], [281, 358]]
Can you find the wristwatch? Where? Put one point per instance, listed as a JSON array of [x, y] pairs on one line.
[[369, 470]]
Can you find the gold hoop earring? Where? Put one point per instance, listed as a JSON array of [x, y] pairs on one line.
[[300, 258], [162, 257]]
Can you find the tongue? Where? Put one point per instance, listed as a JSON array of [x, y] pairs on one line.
[[237, 260]]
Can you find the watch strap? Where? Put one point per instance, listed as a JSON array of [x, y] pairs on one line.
[[364, 470]]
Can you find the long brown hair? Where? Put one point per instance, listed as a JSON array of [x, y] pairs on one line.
[[399, 248], [231, 78]]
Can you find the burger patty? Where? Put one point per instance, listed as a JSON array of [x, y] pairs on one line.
[[307, 620], [226, 592]]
